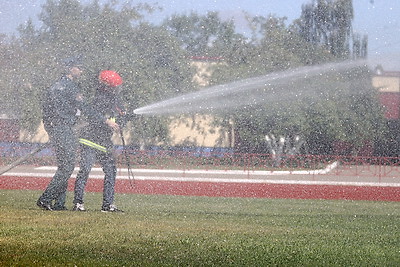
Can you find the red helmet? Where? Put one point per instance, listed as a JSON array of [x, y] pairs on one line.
[[110, 78]]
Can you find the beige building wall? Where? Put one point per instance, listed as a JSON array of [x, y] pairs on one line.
[[39, 137], [197, 130], [386, 84]]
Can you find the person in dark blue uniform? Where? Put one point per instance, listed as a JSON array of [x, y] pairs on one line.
[[96, 143], [61, 104]]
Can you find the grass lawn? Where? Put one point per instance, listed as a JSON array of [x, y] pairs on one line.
[[199, 231]]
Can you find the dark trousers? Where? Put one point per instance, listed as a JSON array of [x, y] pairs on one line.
[[65, 144], [88, 157]]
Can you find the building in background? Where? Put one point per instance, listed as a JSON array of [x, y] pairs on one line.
[[388, 86], [197, 130]]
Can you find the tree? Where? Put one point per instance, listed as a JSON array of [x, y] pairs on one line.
[[348, 109], [338, 107], [328, 23], [155, 65], [110, 36], [203, 35], [6, 60]]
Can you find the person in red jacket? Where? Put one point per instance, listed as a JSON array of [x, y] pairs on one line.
[[96, 144]]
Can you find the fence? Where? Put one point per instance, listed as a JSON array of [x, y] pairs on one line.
[[227, 160]]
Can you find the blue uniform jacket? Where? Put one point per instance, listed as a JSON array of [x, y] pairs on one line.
[[61, 103]]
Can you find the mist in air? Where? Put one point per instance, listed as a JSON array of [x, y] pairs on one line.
[[286, 85]]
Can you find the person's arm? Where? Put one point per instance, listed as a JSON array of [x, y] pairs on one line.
[[91, 113]]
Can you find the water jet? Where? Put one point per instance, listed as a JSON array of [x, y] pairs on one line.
[[283, 85]]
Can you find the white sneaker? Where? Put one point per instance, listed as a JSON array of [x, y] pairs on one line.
[[111, 208], [79, 207]]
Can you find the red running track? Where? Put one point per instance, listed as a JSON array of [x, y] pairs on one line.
[[221, 189]]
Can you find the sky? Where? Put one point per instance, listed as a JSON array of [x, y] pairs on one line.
[[379, 19]]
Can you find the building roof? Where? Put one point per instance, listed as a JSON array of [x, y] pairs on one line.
[[379, 71]]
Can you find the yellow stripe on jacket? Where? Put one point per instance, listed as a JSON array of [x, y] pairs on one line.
[[92, 145]]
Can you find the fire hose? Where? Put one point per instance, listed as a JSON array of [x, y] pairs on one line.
[[22, 159]]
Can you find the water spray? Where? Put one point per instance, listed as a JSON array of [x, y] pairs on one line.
[[251, 91]]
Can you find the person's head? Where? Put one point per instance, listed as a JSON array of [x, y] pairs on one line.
[[73, 67], [109, 80]]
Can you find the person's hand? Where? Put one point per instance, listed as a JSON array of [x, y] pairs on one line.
[[112, 124]]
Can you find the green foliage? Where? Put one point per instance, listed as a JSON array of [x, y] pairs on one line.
[[347, 109], [199, 231], [328, 24], [341, 106], [155, 65], [203, 35], [109, 36]]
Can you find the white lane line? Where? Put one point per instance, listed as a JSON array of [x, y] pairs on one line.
[[329, 168], [222, 180]]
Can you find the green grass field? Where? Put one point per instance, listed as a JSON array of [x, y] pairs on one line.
[[200, 231]]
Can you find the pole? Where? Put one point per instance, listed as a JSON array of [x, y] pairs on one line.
[[130, 173]]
